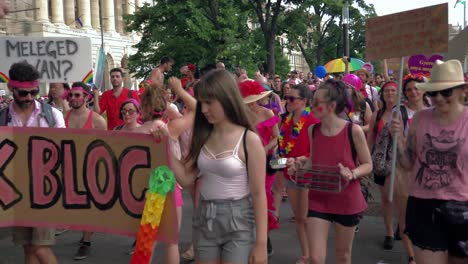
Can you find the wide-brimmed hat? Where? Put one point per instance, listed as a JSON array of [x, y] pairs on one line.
[[444, 75], [252, 91]]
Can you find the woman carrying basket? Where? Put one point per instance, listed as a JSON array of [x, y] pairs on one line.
[[339, 148]]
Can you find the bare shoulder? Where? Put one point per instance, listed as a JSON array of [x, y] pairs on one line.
[[252, 138]]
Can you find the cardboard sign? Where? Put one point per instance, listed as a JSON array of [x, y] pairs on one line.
[[64, 59], [421, 65], [418, 31], [80, 179]]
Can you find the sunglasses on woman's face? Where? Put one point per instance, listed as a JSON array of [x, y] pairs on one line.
[[24, 93], [291, 99], [444, 93], [128, 112]]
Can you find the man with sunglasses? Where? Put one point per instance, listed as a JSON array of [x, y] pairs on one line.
[[83, 118], [25, 111]]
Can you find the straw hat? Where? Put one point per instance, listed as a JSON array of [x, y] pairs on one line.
[[444, 75], [252, 91]]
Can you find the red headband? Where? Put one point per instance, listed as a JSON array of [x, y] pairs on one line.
[[21, 84], [77, 88]]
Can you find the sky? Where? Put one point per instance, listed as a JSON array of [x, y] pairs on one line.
[[385, 7]]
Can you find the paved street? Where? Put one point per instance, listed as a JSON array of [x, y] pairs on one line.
[[111, 249]]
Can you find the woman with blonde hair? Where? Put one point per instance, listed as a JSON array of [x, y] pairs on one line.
[[435, 155]]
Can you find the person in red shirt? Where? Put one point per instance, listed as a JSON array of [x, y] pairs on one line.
[[293, 141], [111, 100]]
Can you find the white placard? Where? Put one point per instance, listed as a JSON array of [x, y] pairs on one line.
[[58, 59]]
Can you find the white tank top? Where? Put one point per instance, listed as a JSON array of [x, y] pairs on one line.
[[223, 178]]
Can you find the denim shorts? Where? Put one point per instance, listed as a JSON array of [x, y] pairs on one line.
[[427, 228], [224, 230]]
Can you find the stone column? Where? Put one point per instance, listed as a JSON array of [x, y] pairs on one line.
[[138, 3], [84, 8], [119, 24], [57, 12], [130, 7], [108, 15], [42, 14], [95, 14], [69, 12]]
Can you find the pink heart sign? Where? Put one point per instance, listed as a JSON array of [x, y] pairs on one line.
[[419, 64]]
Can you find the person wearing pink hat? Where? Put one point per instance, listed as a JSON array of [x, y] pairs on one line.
[[360, 112], [266, 125], [435, 154]]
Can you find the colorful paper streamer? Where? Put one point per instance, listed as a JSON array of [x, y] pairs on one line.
[[161, 182]]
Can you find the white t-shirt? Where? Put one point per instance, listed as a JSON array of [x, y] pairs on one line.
[[372, 93]]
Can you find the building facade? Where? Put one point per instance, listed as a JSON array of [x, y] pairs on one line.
[[78, 18]]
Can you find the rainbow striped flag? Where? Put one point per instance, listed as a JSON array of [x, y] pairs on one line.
[[100, 70]]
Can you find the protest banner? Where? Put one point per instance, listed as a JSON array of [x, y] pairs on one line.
[[417, 31], [79, 179], [64, 59], [421, 65]]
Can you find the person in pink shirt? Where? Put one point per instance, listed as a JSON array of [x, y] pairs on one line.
[[351, 162], [435, 153], [25, 111]]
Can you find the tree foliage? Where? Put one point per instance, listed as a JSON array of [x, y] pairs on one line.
[[195, 31], [315, 28]]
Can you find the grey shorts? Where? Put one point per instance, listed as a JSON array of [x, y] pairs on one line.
[[224, 230], [35, 236]]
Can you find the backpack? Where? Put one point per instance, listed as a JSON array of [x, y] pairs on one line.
[[46, 112], [382, 151]]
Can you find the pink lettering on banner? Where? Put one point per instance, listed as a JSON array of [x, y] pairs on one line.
[[9, 195], [131, 159], [72, 198], [45, 187], [99, 153]]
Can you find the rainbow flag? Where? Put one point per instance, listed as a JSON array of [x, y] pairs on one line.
[[100, 69], [459, 2], [161, 182], [3, 78], [88, 78]]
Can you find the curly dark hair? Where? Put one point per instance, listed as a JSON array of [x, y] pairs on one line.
[[23, 72]]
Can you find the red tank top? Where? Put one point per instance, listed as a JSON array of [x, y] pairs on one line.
[[87, 124], [350, 200]]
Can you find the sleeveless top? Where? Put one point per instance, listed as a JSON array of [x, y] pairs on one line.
[[223, 178], [350, 200], [440, 168], [87, 124]]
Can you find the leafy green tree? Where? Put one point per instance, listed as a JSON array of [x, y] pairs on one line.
[[195, 31], [315, 28]]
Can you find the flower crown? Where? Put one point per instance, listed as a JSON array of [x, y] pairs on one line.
[[251, 87], [418, 77]]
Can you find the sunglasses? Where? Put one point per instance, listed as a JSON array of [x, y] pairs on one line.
[[291, 99], [444, 93], [24, 93], [75, 95], [128, 112]]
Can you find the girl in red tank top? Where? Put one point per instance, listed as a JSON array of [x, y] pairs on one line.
[[331, 149]]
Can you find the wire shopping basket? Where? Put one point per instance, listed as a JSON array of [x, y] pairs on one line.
[[320, 178]]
